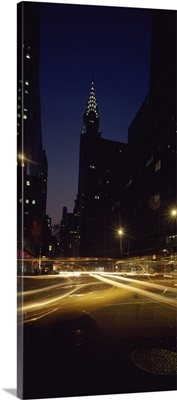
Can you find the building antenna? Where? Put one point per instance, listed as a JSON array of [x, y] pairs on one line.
[[93, 73]]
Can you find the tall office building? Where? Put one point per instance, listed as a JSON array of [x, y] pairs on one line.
[[148, 201], [31, 158], [100, 175]]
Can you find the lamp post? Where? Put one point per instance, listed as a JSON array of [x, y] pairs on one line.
[[120, 233], [174, 216], [40, 259], [50, 249], [172, 236]]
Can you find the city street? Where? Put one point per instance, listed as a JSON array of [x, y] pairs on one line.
[[96, 201], [91, 332]]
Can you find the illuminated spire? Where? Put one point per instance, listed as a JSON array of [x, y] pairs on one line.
[[92, 103], [91, 116]]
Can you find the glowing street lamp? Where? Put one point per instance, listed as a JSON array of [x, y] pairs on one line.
[[174, 212], [23, 158]]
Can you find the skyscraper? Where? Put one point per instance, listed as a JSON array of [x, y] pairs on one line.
[[31, 158], [148, 201], [99, 178]]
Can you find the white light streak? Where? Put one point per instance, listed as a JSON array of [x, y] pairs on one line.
[[141, 292]]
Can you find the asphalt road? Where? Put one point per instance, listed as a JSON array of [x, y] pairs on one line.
[[97, 333]]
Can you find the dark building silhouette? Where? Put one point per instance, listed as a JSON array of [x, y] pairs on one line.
[[63, 224], [31, 158], [100, 174], [72, 233], [47, 236], [69, 234], [148, 199]]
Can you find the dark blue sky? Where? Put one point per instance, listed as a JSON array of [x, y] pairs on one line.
[[73, 39]]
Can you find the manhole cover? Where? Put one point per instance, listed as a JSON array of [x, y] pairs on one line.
[[156, 361]]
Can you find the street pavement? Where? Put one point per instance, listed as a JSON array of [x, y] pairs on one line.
[[91, 334]]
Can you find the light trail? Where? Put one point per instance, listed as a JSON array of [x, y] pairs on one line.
[[47, 303], [41, 316], [42, 304], [77, 295], [50, 287], [47, 288], [151, 285], [142, 292]]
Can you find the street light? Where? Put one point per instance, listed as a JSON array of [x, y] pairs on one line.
[[172, 234], [23, 158], [120, 233], [50, 249], [174, 212]]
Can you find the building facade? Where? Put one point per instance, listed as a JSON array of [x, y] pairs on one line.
[[148, 201], [32, 167], [69, 234]]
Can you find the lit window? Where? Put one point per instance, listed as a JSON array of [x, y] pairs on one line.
[[33, 201], [97, 197], [171, 239], [18, 115], [157, 197], [26, 91], [27, 183], [26, 83], [27, 201], [158, 166], [28, 56], [18, 106], [25, 116], [149, 161]]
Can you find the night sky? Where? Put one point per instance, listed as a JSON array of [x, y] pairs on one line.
[[74, 38]]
